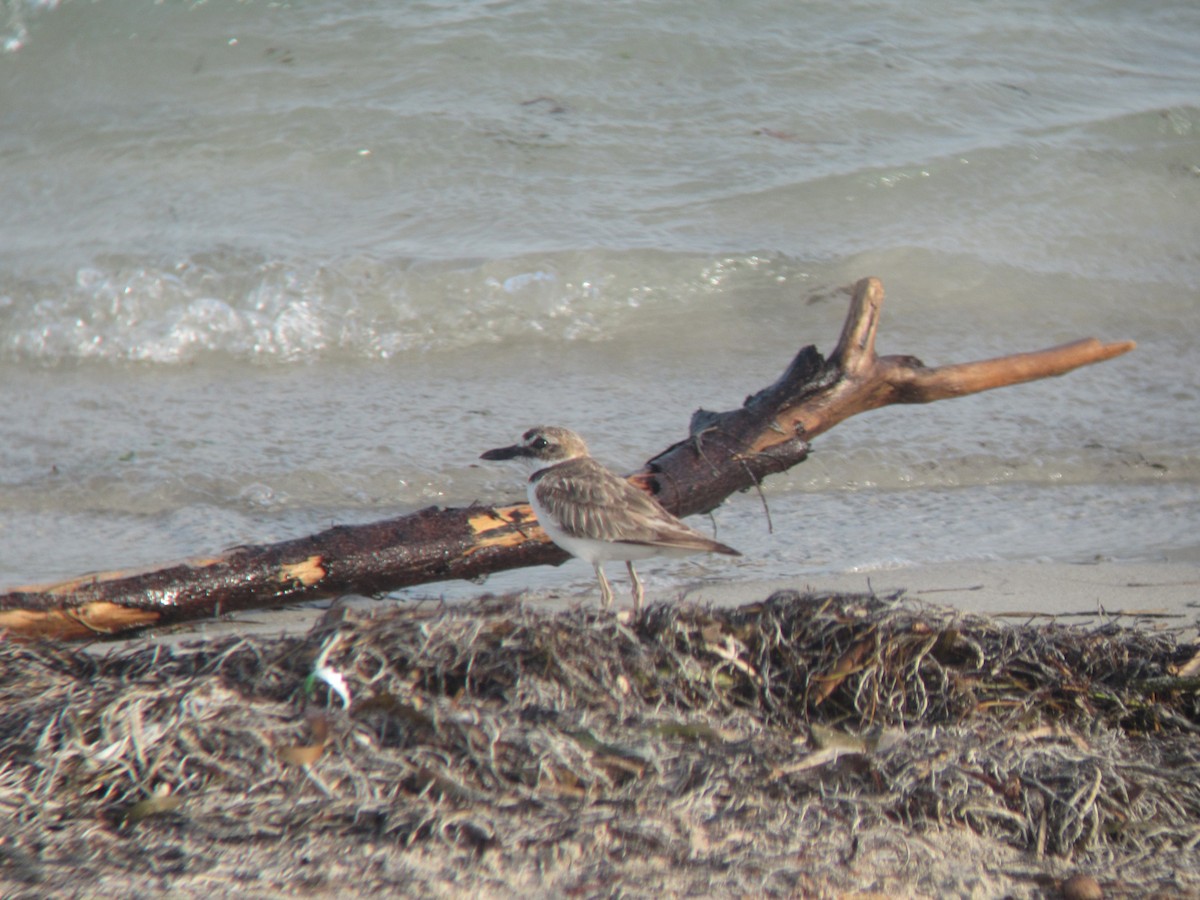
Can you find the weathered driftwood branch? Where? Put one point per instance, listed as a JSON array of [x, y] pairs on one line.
[[724, 453]]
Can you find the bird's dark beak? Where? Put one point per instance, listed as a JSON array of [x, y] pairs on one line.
[[514, 452]]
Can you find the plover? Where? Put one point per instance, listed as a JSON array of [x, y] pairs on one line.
[[596, 515]]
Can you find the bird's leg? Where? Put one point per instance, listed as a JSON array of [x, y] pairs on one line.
[[606, 597], [638, 593]]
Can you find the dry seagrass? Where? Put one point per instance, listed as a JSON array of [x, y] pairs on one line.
[[764, 749]]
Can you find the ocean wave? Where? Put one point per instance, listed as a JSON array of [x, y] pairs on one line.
[[270, 310]]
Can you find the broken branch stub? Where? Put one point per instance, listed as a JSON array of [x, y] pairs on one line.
[[724, 453], [731, 451]]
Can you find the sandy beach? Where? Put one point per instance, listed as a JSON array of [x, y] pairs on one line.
[[1147, 594], [1162, 592], [268, 270]]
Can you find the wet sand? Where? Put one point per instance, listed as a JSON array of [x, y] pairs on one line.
[[1087, 592], [1157, 594]]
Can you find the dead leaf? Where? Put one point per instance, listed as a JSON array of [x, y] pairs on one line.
[[160, 801]]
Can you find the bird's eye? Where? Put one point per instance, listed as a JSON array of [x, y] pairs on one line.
[[540, 443]]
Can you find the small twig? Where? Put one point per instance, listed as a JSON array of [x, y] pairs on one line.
[[761, 496]]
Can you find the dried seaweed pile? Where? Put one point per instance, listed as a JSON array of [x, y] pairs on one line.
[[804, 744]]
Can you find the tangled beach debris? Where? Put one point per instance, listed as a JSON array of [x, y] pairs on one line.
[[811, 744]]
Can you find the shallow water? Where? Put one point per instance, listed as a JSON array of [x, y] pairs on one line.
[[266, 268]]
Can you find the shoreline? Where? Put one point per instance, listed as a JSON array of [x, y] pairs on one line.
[[1079, 592], [1157, 595]]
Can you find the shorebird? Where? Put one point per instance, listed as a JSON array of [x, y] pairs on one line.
[[595, 514]]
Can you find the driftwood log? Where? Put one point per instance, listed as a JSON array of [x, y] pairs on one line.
[[723, 453]]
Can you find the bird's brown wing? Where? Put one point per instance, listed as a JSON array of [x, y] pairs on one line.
[[589, 501]]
